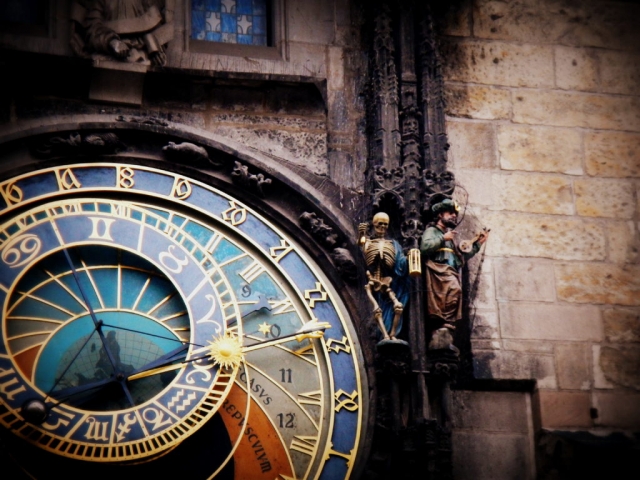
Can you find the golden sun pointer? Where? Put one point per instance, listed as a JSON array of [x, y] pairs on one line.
[[226, 351]]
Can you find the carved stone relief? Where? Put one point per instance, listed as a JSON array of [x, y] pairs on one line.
[[131, 31]]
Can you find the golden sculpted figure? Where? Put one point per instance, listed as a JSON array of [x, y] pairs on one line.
[[387, 285]]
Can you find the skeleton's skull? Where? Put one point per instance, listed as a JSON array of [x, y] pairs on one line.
[[380, 224]]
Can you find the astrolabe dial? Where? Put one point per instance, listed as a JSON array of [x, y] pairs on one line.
[[148, 317]]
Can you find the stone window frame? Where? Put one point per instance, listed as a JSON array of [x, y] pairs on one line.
[[276, 51]]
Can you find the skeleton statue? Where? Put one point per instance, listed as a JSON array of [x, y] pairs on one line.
[[387, 286]]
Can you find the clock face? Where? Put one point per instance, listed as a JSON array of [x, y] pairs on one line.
[[142, 307]]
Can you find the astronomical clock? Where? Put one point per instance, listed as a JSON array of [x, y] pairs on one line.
[[153, 324]]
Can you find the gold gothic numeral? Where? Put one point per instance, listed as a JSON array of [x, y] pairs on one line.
[[278, 252], [235, 215], [179, 402], [11, 193], [349, 403], [101, 228], [304, 444], [181, 189], [96, 430], [66, 179], [320, 295], [156, 418], [171, 262], [125, 177], [21, 250], [11, 386], [347, 456], [311, 398], [252, 272], [123, 428], [60, 421], [121, 210], [341, 345]]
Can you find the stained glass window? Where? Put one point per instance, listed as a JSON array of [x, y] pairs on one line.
[[230, 21]]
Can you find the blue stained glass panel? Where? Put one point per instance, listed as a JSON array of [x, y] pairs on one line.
[[244, 7], [259, 7], [230, 21], [259, 25]]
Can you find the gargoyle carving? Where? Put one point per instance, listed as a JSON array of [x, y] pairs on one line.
[[255, 182], [186, 152], [320, 230], [76, 144]]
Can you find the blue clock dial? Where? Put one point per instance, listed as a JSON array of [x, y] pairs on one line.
[[131, 326]]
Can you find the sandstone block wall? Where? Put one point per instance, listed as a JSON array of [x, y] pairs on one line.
[[544, 126]]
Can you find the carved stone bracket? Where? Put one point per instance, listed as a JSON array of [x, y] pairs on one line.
[[437, 186], [144, 120], [388, 184], [255, 183]]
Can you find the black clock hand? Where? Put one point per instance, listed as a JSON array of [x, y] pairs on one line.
[[64, 395], [98, 328], [259, 305]]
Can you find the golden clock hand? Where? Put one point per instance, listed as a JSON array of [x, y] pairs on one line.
[[312, 329]]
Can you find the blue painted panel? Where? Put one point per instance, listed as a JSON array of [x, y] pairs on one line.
[[33, 187], [335, 467], [153, 182], [344, 430], [245, 39], [208, 201], [299, 272], [259, 232], [96, 176], [343, 372]]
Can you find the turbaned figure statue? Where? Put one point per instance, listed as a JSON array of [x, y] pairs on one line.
[[444, 260]]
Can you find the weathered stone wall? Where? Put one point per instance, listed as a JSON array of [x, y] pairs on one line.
[[544, 126]]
